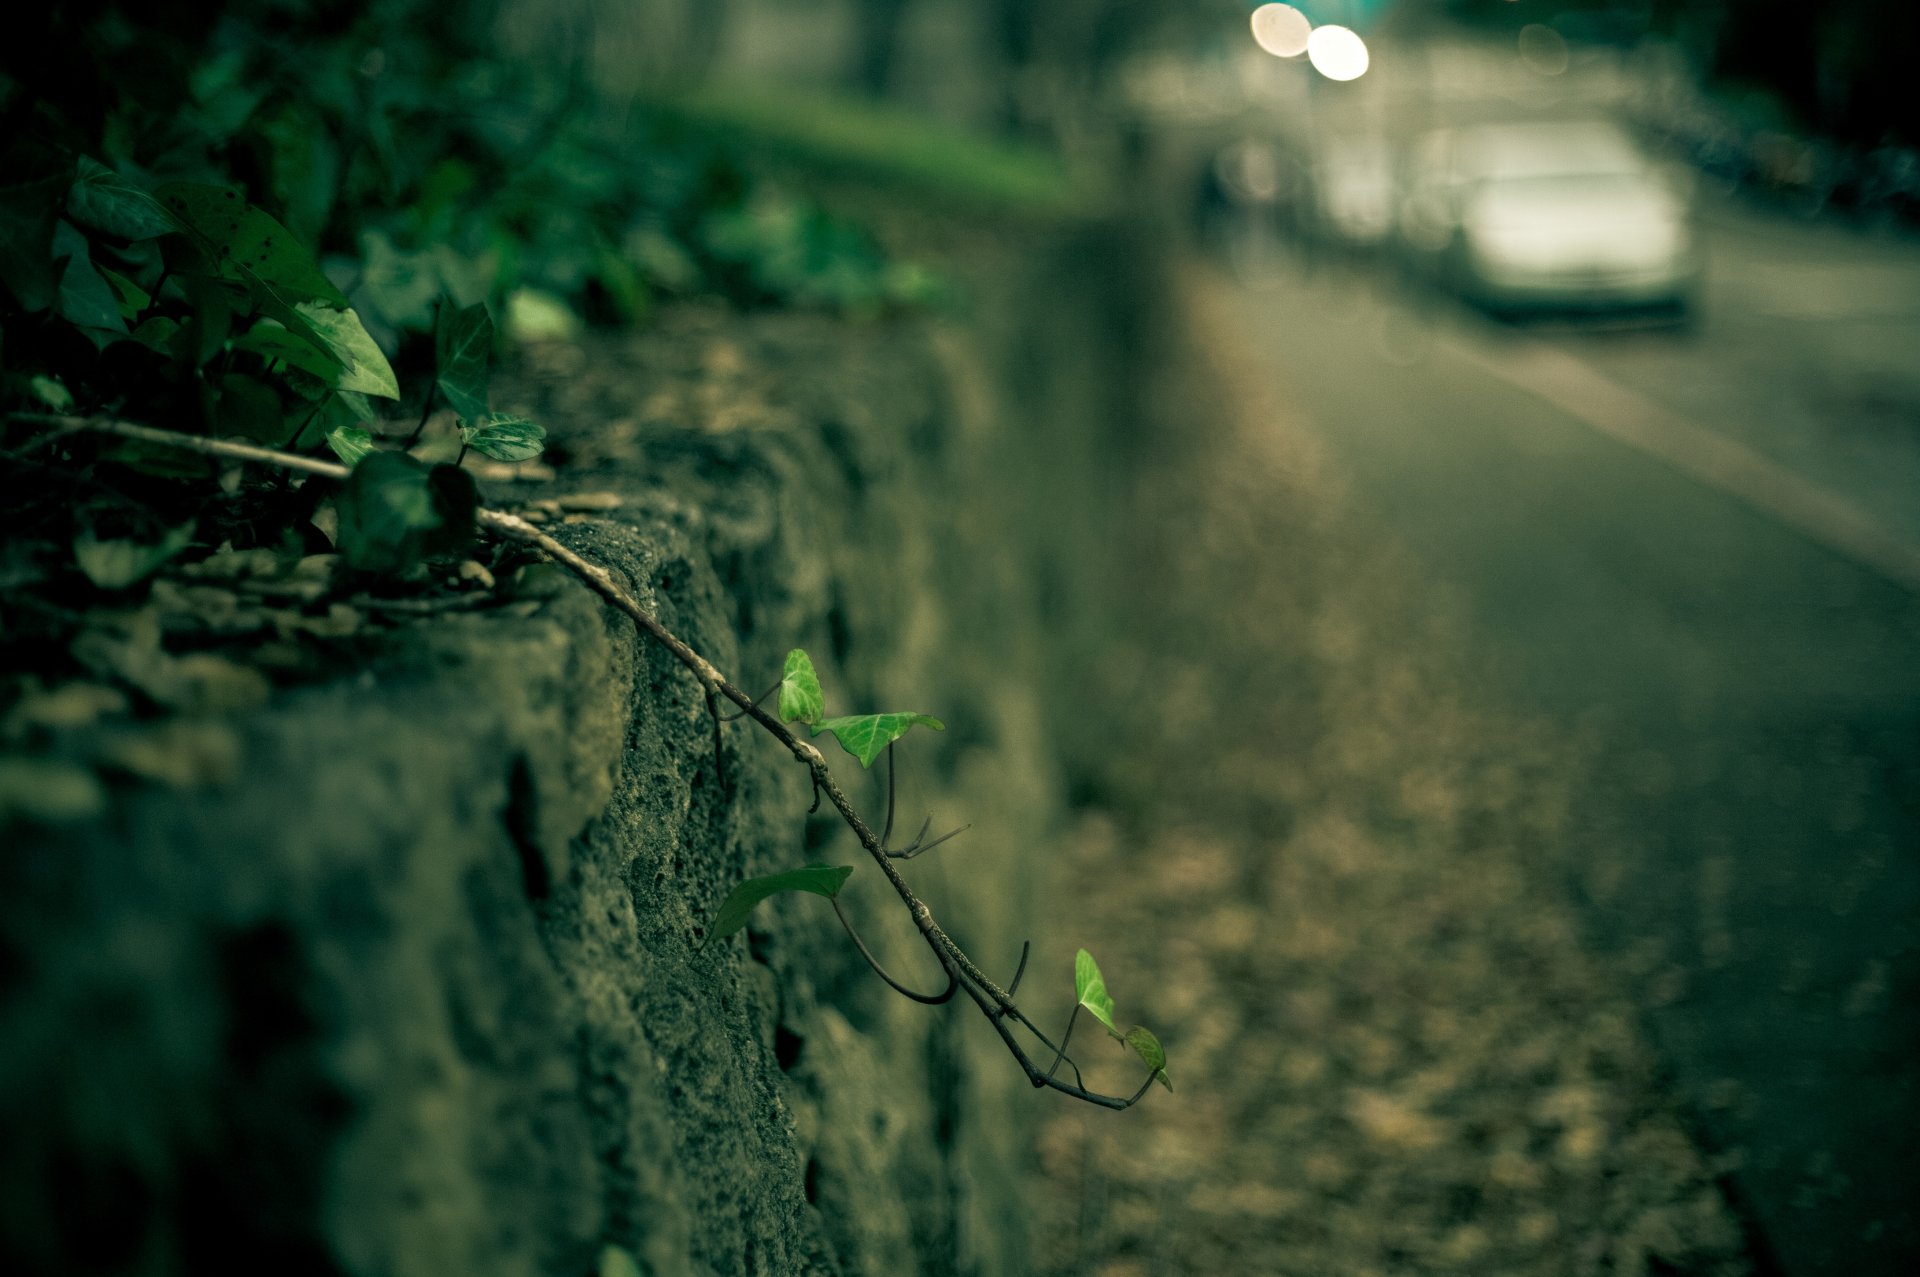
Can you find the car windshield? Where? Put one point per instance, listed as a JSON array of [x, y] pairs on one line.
[[1557, 152]]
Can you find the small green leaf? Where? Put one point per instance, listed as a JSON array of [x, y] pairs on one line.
[[395, 511], [821, 880], [1091, 990], [865, 735], [85, 297], [114, 565], [801, 700], [350, 443], [1148, 1048], [462, 343], [272, 340], [50, 392], [244, 243], [133, 298], [102, 200], [504, 437], [367, 369]]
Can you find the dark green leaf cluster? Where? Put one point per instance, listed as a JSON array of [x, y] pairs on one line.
[[259, 222]]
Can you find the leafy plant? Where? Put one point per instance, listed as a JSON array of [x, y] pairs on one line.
[[345, 192], [801, 700], [342, 199]]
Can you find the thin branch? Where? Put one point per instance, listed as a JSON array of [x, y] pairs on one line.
[[1026, 947], [920, 847], [739, 714], [719, 763], [1060, 1053], [205, 446], [886, 830], [963, 973], [426, 409], [935, 999]]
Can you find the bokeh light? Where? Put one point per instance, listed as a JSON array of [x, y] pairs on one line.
[[1281, 30], [1337, 53]]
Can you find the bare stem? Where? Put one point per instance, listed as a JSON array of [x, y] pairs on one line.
[[931, 999]]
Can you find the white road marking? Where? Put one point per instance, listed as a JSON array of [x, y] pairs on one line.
[[1624, 415]]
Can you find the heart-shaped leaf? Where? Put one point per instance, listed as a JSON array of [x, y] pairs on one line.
[[801, 700], [245, 243], [366, 368], [394, 511], [272, 340], [85, 296], [102, 200], [505, 437], [821, 880], [865, 735], [1090, 990], [462, 344], [1148, 1048]]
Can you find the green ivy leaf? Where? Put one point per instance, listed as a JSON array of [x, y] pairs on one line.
[[801, 700], [366, 368], [821, 880], [85, 297], [114, 565], [344, 409], [1090, 990], [131, 297], [865, 735], [272, 340], [395, 511], [102, 200], [350, 443], [462, 344], [1148, 1048], [504, 437], [245, 243]]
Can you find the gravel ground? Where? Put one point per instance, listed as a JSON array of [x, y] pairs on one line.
[[1328, 876]]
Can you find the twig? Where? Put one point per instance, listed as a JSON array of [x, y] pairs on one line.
[[995, 1003]]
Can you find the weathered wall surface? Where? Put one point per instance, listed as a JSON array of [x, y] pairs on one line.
[[408, 979]]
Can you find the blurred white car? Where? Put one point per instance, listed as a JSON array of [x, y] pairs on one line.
[[1556, 215]]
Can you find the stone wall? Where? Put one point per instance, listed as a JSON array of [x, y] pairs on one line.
[[407, 978]]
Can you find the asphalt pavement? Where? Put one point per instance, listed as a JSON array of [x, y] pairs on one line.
[[1698, 552]]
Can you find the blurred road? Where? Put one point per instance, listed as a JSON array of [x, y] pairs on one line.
[[1700, 552]]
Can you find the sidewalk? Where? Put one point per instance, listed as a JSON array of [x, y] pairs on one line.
[[1325, 877]]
